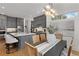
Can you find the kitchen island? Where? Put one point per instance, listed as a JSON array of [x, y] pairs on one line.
[[22, 38]]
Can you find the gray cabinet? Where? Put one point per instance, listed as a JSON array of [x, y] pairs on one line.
[[21, 41], [2, 22], [25, 38], [39, 21], [29, 39], [11, 22], [20, 22]]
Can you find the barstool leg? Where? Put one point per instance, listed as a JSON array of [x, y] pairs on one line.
[[7, 49]]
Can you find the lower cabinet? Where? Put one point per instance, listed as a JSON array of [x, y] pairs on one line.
[[23, 39]]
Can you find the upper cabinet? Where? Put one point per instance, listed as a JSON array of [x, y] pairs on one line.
[[2, 22], [20, 22], [11, 22], [39, 21]]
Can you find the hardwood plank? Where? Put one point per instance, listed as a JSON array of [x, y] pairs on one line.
[[21, 52]]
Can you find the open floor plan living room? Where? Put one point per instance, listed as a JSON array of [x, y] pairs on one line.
[[39, 29]]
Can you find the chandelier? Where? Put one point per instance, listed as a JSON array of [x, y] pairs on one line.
[[48, 11]]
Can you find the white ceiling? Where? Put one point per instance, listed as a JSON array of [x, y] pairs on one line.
[[62, 8], [33, 9], [22, 9]]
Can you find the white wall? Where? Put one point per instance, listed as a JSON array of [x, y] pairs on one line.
[[64, 25], [76, 35], [28, 24], [48, 21]]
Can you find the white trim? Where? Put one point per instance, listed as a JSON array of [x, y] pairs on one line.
[[24, 25]]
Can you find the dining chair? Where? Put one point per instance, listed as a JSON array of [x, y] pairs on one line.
[[59, 35], [67, 52]]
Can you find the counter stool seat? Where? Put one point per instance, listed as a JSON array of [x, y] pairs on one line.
[[11, 43]]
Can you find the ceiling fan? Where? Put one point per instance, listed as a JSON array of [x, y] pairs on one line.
[[49, 11]]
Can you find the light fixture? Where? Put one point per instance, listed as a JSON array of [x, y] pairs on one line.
[[48, 7], [53, 11], [47, 10]]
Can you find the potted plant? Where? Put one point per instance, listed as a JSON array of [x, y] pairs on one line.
[[51, 29]]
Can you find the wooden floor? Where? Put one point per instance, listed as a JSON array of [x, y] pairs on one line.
[[75, 52], [21, 52]]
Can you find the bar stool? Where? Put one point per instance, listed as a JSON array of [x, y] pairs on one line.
[[11, 43]]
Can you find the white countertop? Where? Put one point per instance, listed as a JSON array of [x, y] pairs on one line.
[[9, 39], [21, 34], [2, 30]]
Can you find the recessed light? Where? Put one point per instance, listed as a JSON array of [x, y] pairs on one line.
[[3, 7]]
